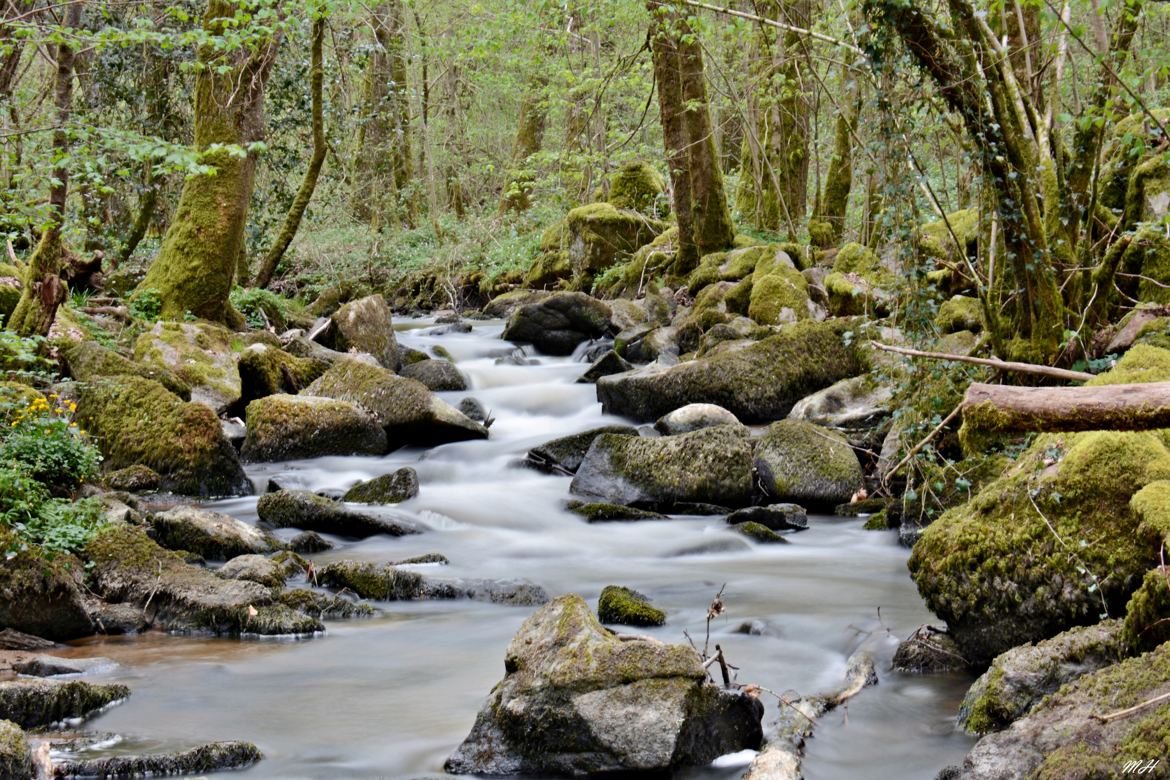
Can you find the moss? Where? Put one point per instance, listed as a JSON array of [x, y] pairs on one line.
[[878, 521], [1150, 251], [807, 464], [604, 513], [386, 489], [88, 360], [267, 371], [601, 235], [323, 606], [1147, 616], [138, 421], [1001, 574], [758, 532], [960, 313], [134, 479], [308, 511], [622, 606], [636, 186], [1152, 505], [373, 581], [10, 287], [200, 354], [290, 427], [778, 296], [38, 703], [1142, 363], [15, 756], [934, 239]]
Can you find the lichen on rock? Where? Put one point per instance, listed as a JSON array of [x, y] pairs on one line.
[[289, 427], [621, 606]]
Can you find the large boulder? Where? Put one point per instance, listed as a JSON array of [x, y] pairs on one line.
[[10, 289], [636, 186], [209, 534], [576, 699], [437, 375], [128, 567], [366, 325], [1068, 735], [806, 464], [88, 360], [42, 597], [288, 427], [860, 283], [308, 511], [779, 292], [266, 370], [856, 403], [758, 382], [1021, 677], [557, 324], [709, 466], [564, 454], [600, 234], [406, 409], [199, 353], [38, 703], [138, 421]]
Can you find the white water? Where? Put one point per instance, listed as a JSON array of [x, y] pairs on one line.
[[392, 696]]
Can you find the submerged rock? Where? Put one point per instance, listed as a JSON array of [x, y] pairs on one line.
[[289, 427], [563, 455], [693, 417], [38, 703], [212, 757], [54, 666], [604, 513], [436, 374], [387, 582], [757, 382], [709, 466], [777, 517], [576, 699], [801, 462], [308, 511], [622, 606], [138, 421], [211, 535], [558, 323], [386, 489], [403, 407], [1021, 677], [758, 532]]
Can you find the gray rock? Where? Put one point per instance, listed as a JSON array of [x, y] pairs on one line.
[[558, 323], [472, 409], [37, 703], [692, 417], [308, 542], [1021, 677], [387, 582], [406, 409], [308, 511], [777, 517], [288, 427], [211, 757], [198, 353], [858, 402], [757, 381], [366, 325], [211, 535], [709, 466], [609, 363], [564, 455], [11, 639], [254, 568], [576, 699], [386, 489], [54, 666], [43, 597], [803, 463], [133, 479], [436, 374]]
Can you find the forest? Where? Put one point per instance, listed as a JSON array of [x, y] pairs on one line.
[[648, 344]]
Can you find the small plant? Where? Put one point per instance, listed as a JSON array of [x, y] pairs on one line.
[[261, 308], [146, 305], [44, 441], [21, 497], [24, 355], [63, 526]]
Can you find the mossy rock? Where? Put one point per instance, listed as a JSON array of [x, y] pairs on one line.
[[998, 569], [960, 313], [601, 234], [557, 324], [1152, 504], [806, 464], [758, 383], [405, 408], [636, 186], [323, 606], [936, 246], [708, 466], [621, 606], [133, 479], [40, 596], [308, 511], [40, 703], [210, 757], [1019, 678], [10, 289], [860, 283], [1151, 249], [210, 535], [693, 417], [379, 582], [254, 568], [781, 295], [1147, 616], [563, 455], [599, 512], [649, 262], [88, 360], [437, 375], [265, 371], [758, 532], [200, 354], [138, 421], [291, 427], [15, 756], [366, 325], [386, 489], [1065, 736], [549, 271]]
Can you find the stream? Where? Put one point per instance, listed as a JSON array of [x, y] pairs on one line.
[[392, 696]]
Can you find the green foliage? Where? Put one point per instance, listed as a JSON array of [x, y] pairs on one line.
[[43, 440], [62, 526], [24, 355], [258, 306], [146, 304]]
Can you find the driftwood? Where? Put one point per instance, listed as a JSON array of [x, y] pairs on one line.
[[1135, 407], [1002, 365]]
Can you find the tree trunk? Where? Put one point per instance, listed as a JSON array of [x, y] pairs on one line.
[[293, 221], [517, 193], [197, 261], [44, 291], [1006, 409], [827, 225], [384, 166]]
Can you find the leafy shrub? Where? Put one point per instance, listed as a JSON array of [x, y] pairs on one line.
[[24, 355], [64, 526], [260, 307], [21, 496], [146, 305], [43, 440]]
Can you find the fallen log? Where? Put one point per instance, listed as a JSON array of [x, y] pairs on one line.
[[1002, 408]]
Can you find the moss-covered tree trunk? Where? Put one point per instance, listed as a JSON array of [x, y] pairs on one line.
[[827, 225], [296, 211], [517, 193], [384, 166], [773, 190], [197, 261], [43, 290]]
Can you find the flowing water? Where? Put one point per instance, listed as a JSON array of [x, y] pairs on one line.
[[392, 696]]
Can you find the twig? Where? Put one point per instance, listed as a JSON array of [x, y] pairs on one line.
[[154, 590], [778, 25], [918, 447], [1135, 708], [1002, 365]]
